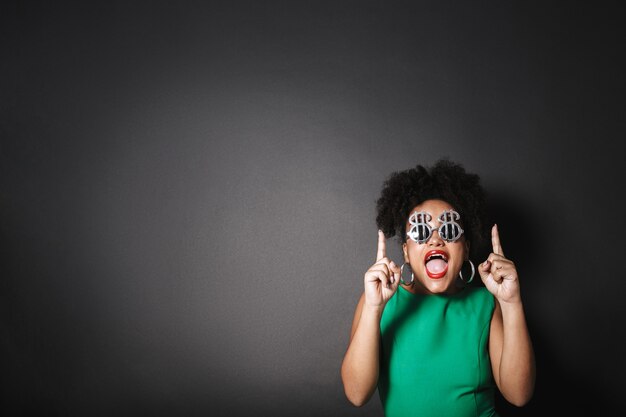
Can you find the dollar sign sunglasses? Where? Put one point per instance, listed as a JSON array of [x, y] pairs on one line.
[[420, 231]]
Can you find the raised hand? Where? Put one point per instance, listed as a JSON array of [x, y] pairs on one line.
[[382, 279], [499, 273]]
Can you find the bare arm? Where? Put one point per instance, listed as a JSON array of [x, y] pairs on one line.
[[512, 356], [359, 369], [510, 346]]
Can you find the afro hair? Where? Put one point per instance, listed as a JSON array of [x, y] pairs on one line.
[[445, 180]]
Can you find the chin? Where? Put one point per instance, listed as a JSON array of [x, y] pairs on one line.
[[437, 286]]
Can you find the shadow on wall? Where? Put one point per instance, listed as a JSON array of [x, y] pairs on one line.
[[561, 388]]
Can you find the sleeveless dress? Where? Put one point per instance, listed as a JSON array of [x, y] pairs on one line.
[[434, 354]]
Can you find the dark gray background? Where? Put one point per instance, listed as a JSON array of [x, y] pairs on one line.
[[188, 192]]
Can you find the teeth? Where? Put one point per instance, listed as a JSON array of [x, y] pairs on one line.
[[437, 255]]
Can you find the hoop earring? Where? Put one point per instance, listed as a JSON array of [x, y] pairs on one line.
[[473, 272], [402, 275]]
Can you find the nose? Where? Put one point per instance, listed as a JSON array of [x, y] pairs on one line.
[[435, 239]]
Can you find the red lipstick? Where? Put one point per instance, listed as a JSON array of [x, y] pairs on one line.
[[441, 258]]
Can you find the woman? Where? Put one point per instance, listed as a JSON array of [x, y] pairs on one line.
[[431, 343]]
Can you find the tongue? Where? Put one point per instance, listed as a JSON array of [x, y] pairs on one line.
[[436, 265]]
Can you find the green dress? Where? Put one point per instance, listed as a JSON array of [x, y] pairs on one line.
[[434, 354]]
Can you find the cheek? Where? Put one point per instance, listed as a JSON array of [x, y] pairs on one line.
[[458, 263], [411, 251], [460, 255]]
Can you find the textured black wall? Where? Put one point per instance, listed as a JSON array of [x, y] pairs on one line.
[[188, 191]]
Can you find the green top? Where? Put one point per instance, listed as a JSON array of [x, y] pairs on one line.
[[434, 354]]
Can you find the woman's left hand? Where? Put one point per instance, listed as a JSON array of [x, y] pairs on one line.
[[499, 274]]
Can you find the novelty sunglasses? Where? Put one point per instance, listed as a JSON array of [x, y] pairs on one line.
[[421, 230]]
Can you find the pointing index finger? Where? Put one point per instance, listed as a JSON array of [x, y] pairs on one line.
[[495, 241], [381, 253]]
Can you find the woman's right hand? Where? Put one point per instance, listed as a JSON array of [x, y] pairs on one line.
[[382, 279]]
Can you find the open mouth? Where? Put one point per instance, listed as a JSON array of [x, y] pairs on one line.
[[436, 262]]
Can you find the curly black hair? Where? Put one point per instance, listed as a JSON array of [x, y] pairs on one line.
[[445, 180]]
